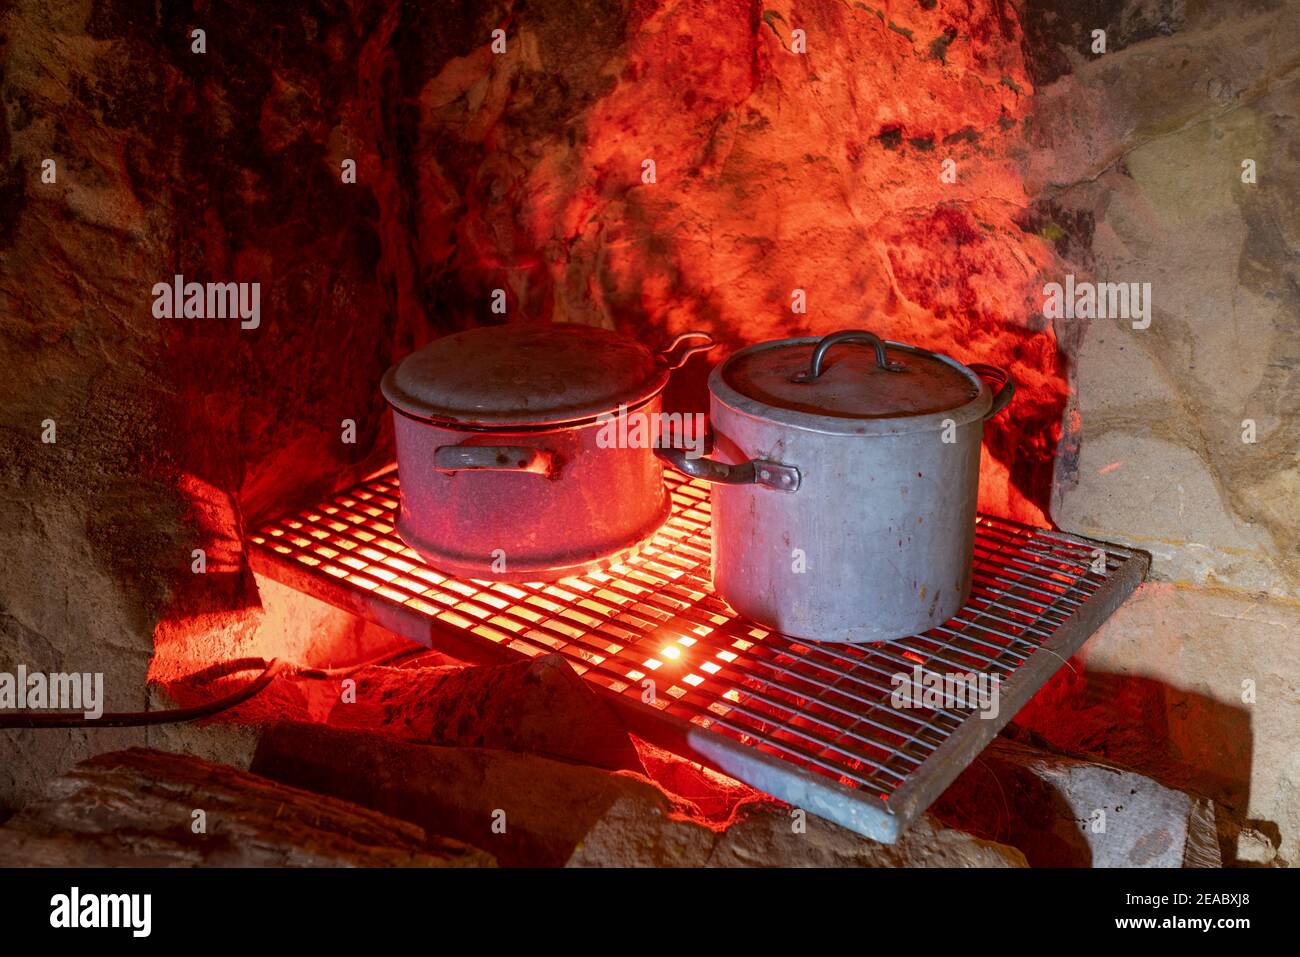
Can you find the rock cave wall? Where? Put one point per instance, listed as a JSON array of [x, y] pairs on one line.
[[783, 161]]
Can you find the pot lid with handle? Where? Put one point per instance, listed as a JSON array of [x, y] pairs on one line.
[[528, 375], [852, 381]]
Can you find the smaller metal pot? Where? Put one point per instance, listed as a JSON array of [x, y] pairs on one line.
[[503, 474]]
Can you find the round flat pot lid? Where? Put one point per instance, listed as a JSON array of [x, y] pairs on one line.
[[851, 382], [523, 375]]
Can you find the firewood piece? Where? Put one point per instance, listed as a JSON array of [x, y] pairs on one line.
[[524, 809], [529, 810], [539, 706], [138, 808]]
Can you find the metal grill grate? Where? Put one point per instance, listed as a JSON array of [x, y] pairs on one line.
[[810, 723]]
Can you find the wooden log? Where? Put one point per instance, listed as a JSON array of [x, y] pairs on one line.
[[528, 810], [155, 809], [539, 706]]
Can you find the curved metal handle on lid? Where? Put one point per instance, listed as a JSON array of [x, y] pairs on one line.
[[1002, 380], [848, 335], [665, 355]]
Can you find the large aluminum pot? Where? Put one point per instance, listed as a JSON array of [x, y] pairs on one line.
[[845, 474], [504, 475]]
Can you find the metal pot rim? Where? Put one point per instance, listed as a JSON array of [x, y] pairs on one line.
[[975, 409], [540, 423]]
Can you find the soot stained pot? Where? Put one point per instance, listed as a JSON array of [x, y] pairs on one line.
[[845, 475], [502, 476]]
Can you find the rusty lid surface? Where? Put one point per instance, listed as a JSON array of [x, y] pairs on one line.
[[523, 375], [851, 383]]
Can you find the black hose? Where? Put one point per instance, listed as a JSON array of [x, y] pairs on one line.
[[134, 719]]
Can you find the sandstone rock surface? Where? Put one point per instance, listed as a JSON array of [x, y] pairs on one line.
[[1063, 812]]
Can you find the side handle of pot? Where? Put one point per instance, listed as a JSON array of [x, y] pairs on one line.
[[499, 458], [1002, 381], [783, 478], [672, 359]]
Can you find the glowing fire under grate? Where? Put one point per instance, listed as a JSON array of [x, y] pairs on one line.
[[822, 711]]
